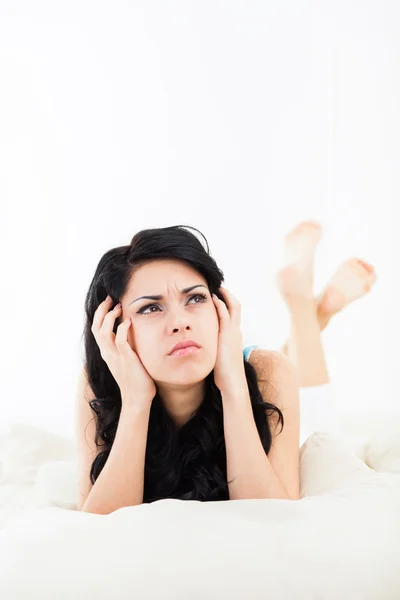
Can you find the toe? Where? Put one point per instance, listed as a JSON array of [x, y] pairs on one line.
[[366, 265]]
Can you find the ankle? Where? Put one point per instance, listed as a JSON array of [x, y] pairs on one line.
[[298, 304], [323, 318]]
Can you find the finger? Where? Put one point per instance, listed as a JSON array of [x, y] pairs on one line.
[[222, 310], [109, 319], [101, 312], [121, 337], [233, 304], [98, 319], [105, 336]]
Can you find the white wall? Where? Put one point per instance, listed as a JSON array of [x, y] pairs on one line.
[[239, 118]]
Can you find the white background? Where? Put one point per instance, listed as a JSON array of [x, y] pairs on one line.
[[238, 118]]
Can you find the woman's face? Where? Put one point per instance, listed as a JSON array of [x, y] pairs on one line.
[[157, 325]]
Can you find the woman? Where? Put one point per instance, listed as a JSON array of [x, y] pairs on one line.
[[202, 423]]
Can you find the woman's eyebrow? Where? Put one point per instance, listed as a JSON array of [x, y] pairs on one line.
[[159, 297]]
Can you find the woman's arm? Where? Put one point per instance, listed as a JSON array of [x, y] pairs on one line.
[[247, 463], [121, 480], [255, 474], [274, 369]]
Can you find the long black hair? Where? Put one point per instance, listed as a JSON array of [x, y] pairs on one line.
[[189, 462]]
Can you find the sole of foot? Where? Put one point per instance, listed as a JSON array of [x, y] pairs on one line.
[[352, 280], [295, 278]]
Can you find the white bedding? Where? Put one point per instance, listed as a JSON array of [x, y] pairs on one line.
[[341, 540]]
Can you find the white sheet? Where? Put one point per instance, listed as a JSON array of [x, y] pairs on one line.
[[318, 410], [340, 540]]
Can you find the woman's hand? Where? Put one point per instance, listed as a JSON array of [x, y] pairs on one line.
[[229, 370], [136, 386]]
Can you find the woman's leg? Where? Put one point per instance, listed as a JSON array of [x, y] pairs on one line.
[[318, 410], [323, 320], [309, 316], [305, 345], [353, 279], [295, 283]]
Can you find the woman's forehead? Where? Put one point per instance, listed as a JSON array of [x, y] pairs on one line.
[[163, 278], [167, 274]]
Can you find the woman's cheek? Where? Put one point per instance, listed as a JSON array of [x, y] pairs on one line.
[[140, 340], [215, 321], [132, 336]]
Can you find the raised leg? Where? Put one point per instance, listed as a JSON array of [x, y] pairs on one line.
[[323, 320], [323, 317], [352, 280], [305, 345], [309, 315], [295, 283]]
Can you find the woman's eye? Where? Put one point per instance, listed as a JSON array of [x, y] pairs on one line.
[[142, 310], [203, 298]]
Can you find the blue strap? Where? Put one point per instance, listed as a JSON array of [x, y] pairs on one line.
[[247, 351]]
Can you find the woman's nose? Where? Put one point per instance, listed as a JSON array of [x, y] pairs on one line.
[[178, 328]]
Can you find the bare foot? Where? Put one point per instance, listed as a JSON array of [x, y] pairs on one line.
[[296, 277], [353, 279]]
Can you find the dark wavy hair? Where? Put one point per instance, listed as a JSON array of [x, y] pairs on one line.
[[187, 463]]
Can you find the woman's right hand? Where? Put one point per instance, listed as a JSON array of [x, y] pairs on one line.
[[136, 386]]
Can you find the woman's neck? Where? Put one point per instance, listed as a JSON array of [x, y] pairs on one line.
[[181, 402]]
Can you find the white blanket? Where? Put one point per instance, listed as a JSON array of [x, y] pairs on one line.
[[341, 540]]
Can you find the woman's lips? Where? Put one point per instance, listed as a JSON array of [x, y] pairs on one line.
[[185, 351]]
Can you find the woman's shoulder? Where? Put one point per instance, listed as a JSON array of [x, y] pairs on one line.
[[275, 369], [266, 361]]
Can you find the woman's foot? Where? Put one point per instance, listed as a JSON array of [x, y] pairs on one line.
[[295, 279], [353, 279]]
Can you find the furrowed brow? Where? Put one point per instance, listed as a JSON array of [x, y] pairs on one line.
[[160, 297]]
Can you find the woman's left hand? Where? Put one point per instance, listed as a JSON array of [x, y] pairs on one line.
[[229, 373]]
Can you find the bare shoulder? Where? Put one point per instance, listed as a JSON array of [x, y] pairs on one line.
[[272, 363], [277, 377]]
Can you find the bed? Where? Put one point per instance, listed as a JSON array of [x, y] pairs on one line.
[[341, 540]]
